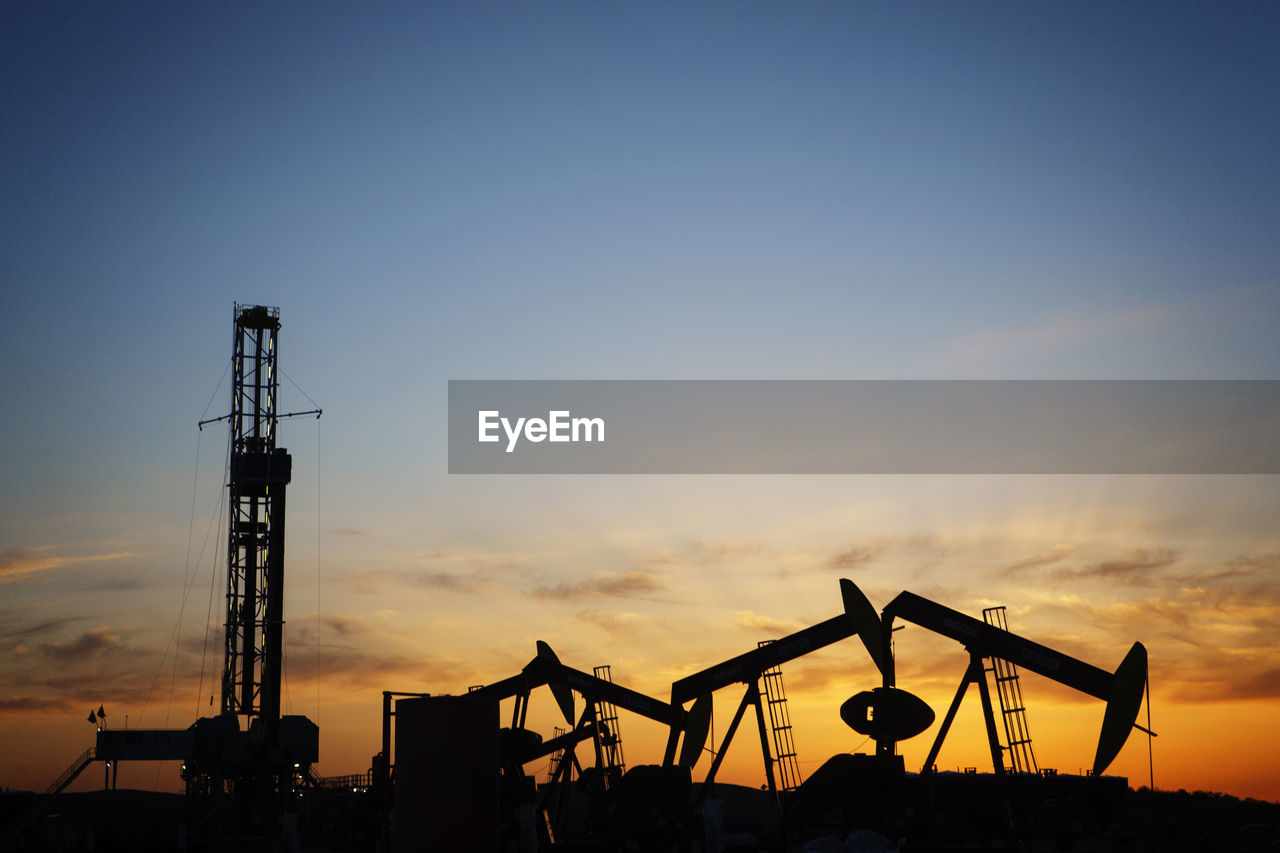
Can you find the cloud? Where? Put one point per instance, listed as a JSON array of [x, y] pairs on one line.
[[89, 643], [619, 623], [856, 556], [606, 585], [1263, 568], [1056, 554], [1135, 569], [352, 666], [470, 583], [1206, 643], [723, 549], [19, 704], [750, 621], [1258, 685], [17, 564], [344, 626], [95, 667], [1209, 676], [47, 627]]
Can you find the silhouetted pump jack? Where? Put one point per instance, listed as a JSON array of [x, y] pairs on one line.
[[889, 714]]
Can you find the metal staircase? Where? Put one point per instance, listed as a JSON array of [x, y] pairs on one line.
[[1017, 735], [69, 775], [611, 736], [784, 748], [59, 785]]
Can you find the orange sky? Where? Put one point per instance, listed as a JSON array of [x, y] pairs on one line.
[[432, 192], [1084, 565]]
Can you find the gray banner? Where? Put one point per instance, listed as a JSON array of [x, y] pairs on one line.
[[864, 427]]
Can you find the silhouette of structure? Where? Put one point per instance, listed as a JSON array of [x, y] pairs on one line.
[[267, 758], [1013, 710], [784, 748], [612, 760], [660, 807], [241, 776], [258, 474]]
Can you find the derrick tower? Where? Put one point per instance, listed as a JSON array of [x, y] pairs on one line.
[[258, 473]]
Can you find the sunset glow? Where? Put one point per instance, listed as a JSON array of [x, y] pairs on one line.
[[557, 191]]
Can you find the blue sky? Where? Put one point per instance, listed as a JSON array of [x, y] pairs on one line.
[[569, 190]]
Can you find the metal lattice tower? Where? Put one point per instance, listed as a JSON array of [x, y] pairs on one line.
[[258, 472], [611, 739], [1016, 732], [784, 747]]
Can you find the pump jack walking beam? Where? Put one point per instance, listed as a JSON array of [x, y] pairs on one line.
[[1122, 690], [749, 666], [546, 668]]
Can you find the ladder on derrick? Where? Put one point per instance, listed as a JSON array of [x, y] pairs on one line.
[[784, 748], [1017, 734], [610, 735]]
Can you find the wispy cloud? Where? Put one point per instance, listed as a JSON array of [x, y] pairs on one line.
[[96, 667], [357, 666], [1253, 568], [344, 626], [616, 623], [1251, 685], [723, 549], [19, 704], [856, 556], [751, 621], [1135, 568], [27, 632], [371, 582], [16, 565], [86, 645], [636, 583], [1054, 555], [471, 582]]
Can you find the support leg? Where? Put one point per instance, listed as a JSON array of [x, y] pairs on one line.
[[724, 745], [948, 719], [993, 739]]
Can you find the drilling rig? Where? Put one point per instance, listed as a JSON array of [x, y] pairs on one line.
[[249, 760], [242, 778]]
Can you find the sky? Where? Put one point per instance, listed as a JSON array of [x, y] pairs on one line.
[[562, 190]]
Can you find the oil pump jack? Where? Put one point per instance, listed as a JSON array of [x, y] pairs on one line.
[[463, 731], [889, 714], [433, 731]]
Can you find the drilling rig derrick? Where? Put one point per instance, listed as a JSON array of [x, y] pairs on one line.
[[257, 476], [259, 749]]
